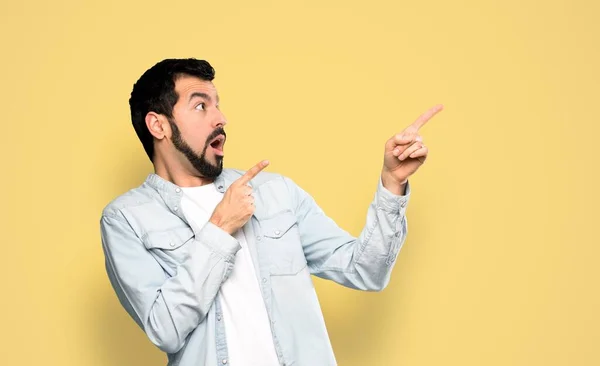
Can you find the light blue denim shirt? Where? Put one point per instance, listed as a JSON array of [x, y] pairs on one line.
[[167, 272]]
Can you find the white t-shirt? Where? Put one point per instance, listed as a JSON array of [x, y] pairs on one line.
[[247, 329]]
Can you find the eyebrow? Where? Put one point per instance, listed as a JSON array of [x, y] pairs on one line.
[[201, 95]]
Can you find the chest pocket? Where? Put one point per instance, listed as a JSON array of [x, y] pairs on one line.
[[281, 244], [170, 247]]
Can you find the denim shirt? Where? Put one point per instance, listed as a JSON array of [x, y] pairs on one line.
[[167, 272]]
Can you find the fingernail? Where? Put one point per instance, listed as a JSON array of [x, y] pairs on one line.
[[396, 152]]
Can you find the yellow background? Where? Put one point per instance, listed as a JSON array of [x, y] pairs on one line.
[[501, 263]]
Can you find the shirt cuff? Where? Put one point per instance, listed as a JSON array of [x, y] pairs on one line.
[[218, 240], [391, 202]]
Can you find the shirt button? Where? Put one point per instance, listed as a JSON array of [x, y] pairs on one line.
[[224, 361], [259, 238], [175, 208], [397, 234], [277, 232], [220, 187], [219, 317], [403, 204], [264, 280], [178, 190], [172, 244]]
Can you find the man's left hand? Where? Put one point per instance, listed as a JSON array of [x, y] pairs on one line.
[[405, 153]]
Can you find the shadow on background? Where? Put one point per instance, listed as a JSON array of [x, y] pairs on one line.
[[119, 341], [358, 331]]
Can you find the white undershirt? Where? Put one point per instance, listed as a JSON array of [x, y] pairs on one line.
[[247, 329]]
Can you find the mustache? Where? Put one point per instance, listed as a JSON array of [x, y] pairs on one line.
[[218, 131]]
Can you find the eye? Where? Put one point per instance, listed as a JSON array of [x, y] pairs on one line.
[[200, 107]]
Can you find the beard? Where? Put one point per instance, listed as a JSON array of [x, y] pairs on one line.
[[199, 161]]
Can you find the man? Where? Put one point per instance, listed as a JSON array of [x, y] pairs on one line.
[[214, 264]]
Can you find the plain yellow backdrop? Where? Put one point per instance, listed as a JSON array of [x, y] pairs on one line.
[[501, 262]]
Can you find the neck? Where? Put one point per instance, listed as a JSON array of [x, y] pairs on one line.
[[178, 174]]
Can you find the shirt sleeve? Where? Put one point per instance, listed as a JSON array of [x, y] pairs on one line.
[[166, 308], [364, 262]]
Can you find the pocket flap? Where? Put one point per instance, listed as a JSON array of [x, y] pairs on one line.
[[169, 239], [278, 225]]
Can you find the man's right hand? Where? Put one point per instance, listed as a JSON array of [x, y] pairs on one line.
[[237, 205]]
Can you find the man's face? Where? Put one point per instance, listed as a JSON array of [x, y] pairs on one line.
[[197, 125]]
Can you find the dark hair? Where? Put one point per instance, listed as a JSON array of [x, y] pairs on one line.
[[155, 92]]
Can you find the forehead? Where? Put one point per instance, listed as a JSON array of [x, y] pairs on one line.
[[186, 85]]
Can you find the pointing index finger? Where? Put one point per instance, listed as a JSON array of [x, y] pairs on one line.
[[253, 172], [420, 122]]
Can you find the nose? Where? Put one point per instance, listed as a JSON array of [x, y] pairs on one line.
[[220, 120]]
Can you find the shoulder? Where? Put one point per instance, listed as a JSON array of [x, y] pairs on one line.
[[261, 179], [274, 185], [134, 197]]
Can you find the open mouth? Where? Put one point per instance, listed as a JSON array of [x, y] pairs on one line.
[[218, 143]]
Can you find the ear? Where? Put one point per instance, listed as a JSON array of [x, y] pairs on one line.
[[157, 125]]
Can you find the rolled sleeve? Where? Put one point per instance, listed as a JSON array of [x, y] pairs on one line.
[[219, 241], [391, 202]]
